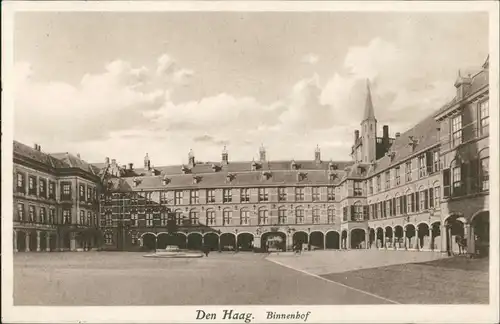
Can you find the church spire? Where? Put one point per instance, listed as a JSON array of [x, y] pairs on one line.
[[369, 113]]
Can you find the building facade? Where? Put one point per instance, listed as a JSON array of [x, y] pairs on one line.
[[55, 201]]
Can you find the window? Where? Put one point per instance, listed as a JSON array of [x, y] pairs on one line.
[[437, 194], [178, 217], [163, 197], [210, 217], [281, 194], [330, 191], [397, 170], [32, 185], [379, 210], [227, 216], [315, 216], [398, 206], [108, 238], [52, 216], [331, 215], [370, 186], [95, 219], [89, 194], [408, 171], [149, 219], [67, 216], [210, 196], [378, 183], [134, 219], [82, 217], [485, 175], [20, 182], [456, 130], [282, 216], [31, 213], [388, 209], [299, 215], [263, 194], [163, 218], [435, 161], [457, 180], [358, 190], [423, 200], [263, 217], [315, 193], [108, 219], [148, 197], [52, 190], [245, 195], [484, 118], [66, 191], [227, 195], [358, 212], [82, 192], [178, 197], [20, 212], [194, 198], [194, 217], [43, 188], [88, 221], [422, 166], [409, 203], [387, 180], [299, 194]]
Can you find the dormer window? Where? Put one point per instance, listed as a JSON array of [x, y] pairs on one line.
[[230, 177], [215, 167], [361, 170], [136, 182], [254, 165], [413, 142], [196, 179], [185, 169], [294, 165], [391, 155], [165, 181], [266, 175], [301, 176], [332, 176]]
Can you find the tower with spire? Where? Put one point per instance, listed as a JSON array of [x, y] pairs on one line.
[[262, 153], [317, 154], [368, 130], [225, 156]]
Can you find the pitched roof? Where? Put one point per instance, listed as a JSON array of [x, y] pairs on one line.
[[74, 161], [38, 156]]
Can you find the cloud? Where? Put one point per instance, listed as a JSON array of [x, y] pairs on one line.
[[171, 72], [310, 59]]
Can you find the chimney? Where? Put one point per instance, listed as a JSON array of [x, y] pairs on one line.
[[356, 135], [398, 134], [106, 160], [385, 132], [131, 166], [113, 161], [462, 84], [35, 147]]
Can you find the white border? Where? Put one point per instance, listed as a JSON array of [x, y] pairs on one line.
[[185, 314]]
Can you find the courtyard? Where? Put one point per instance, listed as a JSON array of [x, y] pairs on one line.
[[126, 278]]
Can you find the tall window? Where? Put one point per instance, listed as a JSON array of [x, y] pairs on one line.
[[149, 219], [195, 197], [227, 216], [210, 196], [299, 215], [263, 217], [388, 203], [178, 197], [194, 217], [422, 169], [89, 194], [423, 200], [457, 179], [163, 218], [282, 216], [370, 186], [331, 215], [330, 191], [398, 205], [358, 190], [408, 171], [148, 196], [82, 192], [67, 216], [227, 195], [134, 219], [315, 193], [299, 194], [263, 194], [163, 197], [379, 185], [358, 212], [409, 203], [108, 219], [281, 194], [31, 213], [178, 217], [245, 217], [108, 238], [435, 160], [378, 209], [52, 216], [210, 217], [456, 130], [43, 188], [20, 182], [82, 217], [387, 180], [245, 195], [52, 190], [315, 216], [32, 185], [66, 191], [485, 174], [89, 218], [484, 118], [20, 211], [397, 172], [437, 195]]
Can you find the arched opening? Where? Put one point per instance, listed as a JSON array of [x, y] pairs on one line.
[[316, 240], [300, 238], [358, 238], [423, 239], [380, 237], [195, 241], [33, 243], [21, 241], [389, 237], [227, 242], [343, 243], [455, 240], [43, 241], [372, 238], [66, 240], [245, 242], [180, 240], [332, 240], [273, 241], [481, 233], [436, 236], [53, 242], [149, 241], [211, 241], [398, 233], [410, 236], [164, 239]]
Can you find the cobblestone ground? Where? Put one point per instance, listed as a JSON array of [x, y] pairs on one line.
[[121, 278]]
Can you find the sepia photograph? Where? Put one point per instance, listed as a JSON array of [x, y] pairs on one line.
[[257, 163]]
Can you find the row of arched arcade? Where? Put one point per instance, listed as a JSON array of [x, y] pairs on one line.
[[31, 240]]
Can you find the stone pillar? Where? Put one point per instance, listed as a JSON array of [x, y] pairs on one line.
[[27, 241], [14, 242], [47, 242], [367, 239], [394, 239], [443, 235], [141, 242], [471, 245], [384, 243], [348, 240], [72, 243], [467, 230], [38, 241], [324, 242], [417, 238], [449, 240], [405, 245], [340, 241]]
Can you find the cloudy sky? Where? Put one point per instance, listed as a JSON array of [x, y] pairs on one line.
[[123, 84]]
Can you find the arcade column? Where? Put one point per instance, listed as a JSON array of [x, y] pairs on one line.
[[38, 241], [14, 240], [367, 239], [47, 242], [72, 241], [27, 241]]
